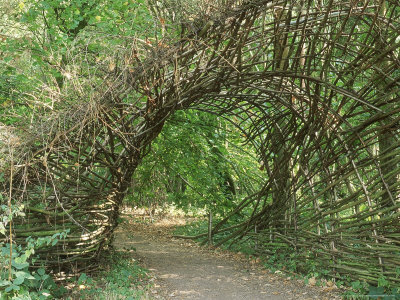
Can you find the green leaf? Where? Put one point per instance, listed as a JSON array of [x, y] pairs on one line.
[[82, 278], [5, 282], [24, 274], [29, 252], [44, 293], [45, 276], [19, 266], [19, 280], [2, 229], [12, 287], [41, 271], [376, 292]]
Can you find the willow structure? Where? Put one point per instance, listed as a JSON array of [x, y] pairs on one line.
[[313, 85]]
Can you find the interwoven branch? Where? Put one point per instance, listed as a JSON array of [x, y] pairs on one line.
[[314, 87]]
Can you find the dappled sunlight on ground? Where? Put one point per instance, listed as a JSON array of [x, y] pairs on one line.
[[184, 270]]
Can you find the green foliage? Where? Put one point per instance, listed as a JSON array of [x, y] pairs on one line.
[[196, 163], [246, 246], [380, 292], [288, 260], [25, 283], [282, 260], [193, 228], [6, 216], [124, 279], [199, 162], [43, 43], [65, 20], [361, 290]]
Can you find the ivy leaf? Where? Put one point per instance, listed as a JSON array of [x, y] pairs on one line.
[[376, 292], [82, 278], [11, 288], [41, 271], [19, 266], [19, 280], [24, 275], [5, 282], [2, 229]]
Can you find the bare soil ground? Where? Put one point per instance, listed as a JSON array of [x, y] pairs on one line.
[[183, 270]]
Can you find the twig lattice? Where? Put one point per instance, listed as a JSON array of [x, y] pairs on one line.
[[314, 86]]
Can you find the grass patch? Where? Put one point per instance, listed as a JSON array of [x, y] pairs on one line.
[[121, 278], [193, 228]]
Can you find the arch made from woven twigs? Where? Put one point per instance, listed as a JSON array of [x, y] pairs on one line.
[[314, 85]]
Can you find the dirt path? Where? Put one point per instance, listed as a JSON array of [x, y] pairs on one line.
[[183, 270]]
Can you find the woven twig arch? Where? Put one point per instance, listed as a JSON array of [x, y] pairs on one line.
[[313, 84]]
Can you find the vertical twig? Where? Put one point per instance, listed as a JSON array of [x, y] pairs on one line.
[[10, 212], [256, 238], [210, 220]]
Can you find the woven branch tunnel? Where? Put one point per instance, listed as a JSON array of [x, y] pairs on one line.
[[314, 88]]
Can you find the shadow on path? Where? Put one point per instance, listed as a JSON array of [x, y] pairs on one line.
[[185, 271]]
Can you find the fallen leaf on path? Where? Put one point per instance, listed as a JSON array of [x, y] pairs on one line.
[[329, 289], [312, 281], [276, 293]]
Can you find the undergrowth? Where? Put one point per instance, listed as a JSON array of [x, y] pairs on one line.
[[121, 278], [286, 260], [19, 280]]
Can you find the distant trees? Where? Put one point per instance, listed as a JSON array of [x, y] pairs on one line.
[[198, 162]]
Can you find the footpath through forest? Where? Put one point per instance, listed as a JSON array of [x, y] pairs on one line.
[[183, 270]]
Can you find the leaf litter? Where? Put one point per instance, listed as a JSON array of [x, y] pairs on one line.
[[181, 269]]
